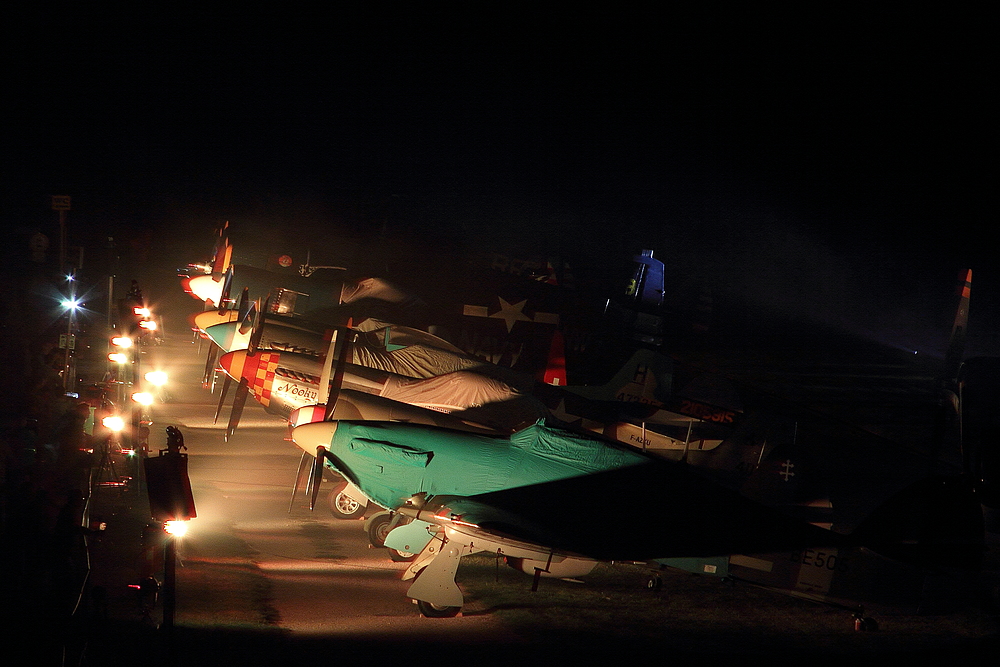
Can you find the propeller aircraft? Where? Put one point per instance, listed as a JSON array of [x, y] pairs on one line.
[[774, 477]]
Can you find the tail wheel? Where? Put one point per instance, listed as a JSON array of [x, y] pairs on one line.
[[434, 611], [343, 506]]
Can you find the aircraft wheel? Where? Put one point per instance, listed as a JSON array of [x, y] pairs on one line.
[[401, 556], [434, 611], [378, 528], [344, 507], [654, 583]]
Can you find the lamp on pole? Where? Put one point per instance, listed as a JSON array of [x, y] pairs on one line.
[[71, 305]]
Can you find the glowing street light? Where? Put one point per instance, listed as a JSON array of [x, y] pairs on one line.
[[113, 423], [72, 305], [158, 378], [122, 341], [143, 398]]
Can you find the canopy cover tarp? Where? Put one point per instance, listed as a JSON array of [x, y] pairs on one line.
[[392, 462]]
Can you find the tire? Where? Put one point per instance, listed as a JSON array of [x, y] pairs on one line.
[[433, 611], [401, 556], [378, 528], [343, 507]]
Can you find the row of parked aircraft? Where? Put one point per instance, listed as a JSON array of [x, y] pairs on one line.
[[668, 462]]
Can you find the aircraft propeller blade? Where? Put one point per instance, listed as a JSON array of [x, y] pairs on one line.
[[317, 476], [248, 319], [227, 286], [243, 305], [222, 397], [238, 402], [303, 462], [210, 361], [258, 324], [348, 336]]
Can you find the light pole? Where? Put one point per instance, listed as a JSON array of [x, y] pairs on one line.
[[71, 305]]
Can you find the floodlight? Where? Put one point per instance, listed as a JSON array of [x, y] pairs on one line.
[[176, 528], [114, 423]]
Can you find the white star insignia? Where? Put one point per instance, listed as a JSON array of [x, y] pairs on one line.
[[511, 313]]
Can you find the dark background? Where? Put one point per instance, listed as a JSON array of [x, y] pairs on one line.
[[820, 163]]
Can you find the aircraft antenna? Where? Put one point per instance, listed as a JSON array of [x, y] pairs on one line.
[[306, 270]]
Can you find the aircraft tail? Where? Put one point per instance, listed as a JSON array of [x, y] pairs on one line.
[[222, 253], [554, 372], [956, 344], [647, 377]]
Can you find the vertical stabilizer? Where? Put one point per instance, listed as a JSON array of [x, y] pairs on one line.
[[956, 344], [555, 366], [647, 378]]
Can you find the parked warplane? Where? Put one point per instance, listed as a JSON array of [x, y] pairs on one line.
[[525, 496], [778, 476]]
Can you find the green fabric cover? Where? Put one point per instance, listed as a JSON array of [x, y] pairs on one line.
[[391, 462]]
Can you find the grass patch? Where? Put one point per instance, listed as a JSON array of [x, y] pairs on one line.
[[698, 614]]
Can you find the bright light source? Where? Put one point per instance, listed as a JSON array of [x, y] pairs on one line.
[[143, 398], [121, 341], [148, 325], [176, 528], [158, 378], [114, 423], [141, 311], [70, 304], [118, 357]]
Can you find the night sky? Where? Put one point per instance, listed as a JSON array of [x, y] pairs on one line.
[[841, 166]]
